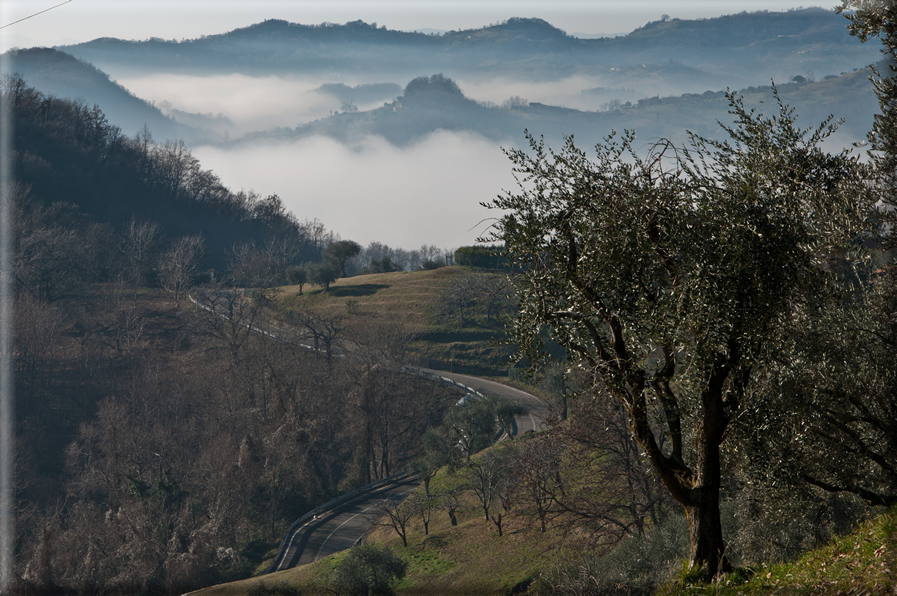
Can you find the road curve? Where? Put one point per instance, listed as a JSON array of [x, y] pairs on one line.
[[538, 409], [342, 527], [339, 529]]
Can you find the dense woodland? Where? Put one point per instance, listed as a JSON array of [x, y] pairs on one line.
[[68, 152]]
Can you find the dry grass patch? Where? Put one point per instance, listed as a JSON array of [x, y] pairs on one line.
[[404, 302], [405, 296], [861, 563]]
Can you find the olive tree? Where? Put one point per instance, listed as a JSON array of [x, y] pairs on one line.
[[870, 19], [669, 276], [841, 406], [341, 251]]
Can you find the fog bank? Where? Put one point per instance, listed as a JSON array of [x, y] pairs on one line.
[[252, 103], [428, 193]]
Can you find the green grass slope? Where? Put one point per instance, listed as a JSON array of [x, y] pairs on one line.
[[408, 303], [862, 562], [471, 558]]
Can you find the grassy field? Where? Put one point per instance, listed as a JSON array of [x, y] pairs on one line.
[[407, 303], [471, 558]]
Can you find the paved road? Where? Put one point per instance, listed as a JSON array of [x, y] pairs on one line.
[[535, 420], [341, 528]]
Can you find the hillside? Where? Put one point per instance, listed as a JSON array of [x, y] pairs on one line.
[[420, 306], [67, 153], [472, 558], [777, 44], [436, 103], [64, 76]]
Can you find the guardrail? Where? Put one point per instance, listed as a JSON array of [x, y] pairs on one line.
[[411, 370], [272, 332], [287, 541]]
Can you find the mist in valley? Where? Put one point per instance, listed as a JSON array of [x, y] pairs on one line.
[[254, 153], [428, 193], [249, 103], [316, 116]]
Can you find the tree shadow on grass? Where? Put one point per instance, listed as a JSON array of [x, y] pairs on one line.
[[357, 290]]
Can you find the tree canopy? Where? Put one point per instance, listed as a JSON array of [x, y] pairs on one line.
[[669, 276]]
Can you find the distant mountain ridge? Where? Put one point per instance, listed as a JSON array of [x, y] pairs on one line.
[[776, 44], [62, 75], [435, 103]]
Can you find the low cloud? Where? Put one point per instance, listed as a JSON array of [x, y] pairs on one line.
[[565, 92], [252, 103], [428, 193]]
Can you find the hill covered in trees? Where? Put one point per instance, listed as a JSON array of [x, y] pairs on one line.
[[146, 427], [64, 76], [776, 44], [68, 152]]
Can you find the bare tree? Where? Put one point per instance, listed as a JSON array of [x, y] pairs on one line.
[[323, 331], [537, 475], [252, 267], [229, 315], [450, 501], [139, 239], [601, 452], [484, 478], [424, 505], [52, 245], [175, 165], [38, 325], [177, 266], [396, 514]]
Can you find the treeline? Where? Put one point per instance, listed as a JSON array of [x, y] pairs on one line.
[[377, 257], [66, 151]]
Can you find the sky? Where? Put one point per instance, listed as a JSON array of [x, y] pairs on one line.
[[83, 20]]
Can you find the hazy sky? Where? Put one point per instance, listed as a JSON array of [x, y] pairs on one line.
[[83, 20], [429, 193]]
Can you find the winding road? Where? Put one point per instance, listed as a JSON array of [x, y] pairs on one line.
[[339, 529], [342, 527], [538, 409]]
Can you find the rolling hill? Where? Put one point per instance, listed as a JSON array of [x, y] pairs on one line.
[[735, 48], [65, 76], [432, 104]]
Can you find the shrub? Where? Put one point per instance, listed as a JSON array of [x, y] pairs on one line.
[[486, 257], [368, 569]]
